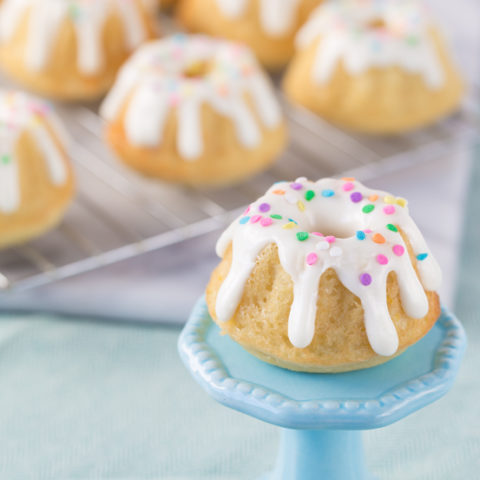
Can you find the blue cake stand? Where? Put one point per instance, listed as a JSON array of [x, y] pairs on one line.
[[322, 415]]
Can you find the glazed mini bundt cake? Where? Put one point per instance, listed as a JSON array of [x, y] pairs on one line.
[[70, 49], [36, 180], [324, 276], [195, 110], [377, 66], [268, 27]]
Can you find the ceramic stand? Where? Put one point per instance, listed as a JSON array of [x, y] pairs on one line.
[[322, 415]]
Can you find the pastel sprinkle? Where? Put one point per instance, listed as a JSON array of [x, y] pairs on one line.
[[317, 234], [348, 179], [378, 238], [255, 218], [368, 208], [360, 235], [5, 159], [302, 236], [336, 252], [289, 226], [264, 207], [382, 259], [401, 202], [373, 198], [422, 256], [365, 279], [367, 230], [276, 217], [244, 220], [312, 258], [293, 221], [266, 222], [348, 186], [398, 250], [296, 186], [389, 199], [309, 194], [356, 197], [330, 239], [301, 206], [247, 210], [392, 227], [323, 245], [328, 193], [279, 192], [389, 210]]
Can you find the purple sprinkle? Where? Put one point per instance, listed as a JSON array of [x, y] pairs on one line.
[[365, 279], [264, 207], [296, 186], [356, 197]]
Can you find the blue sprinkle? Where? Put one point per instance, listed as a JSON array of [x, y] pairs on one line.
[[292, 220], [244, 220], [422, 256], [361, 235], [328, 193]]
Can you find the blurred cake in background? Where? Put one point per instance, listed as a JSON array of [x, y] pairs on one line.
[[377, 66], [196, 110], [36, 179], [268, 27], [70, 49]]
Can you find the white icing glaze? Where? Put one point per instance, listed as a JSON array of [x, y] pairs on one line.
[[21, 113], [46, 18], [348, 37], [277, 17], [363, 247], [152, 84]]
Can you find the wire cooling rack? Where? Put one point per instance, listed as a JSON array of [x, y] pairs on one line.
[[117, 214]]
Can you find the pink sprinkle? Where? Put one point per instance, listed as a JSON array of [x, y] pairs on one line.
[[347, 186], [317, 234], [247, 210], [389, 209], [398, 250], [266, 222], [382, 259], [330, 239], [367, 230], [255, 218], [312, 258]]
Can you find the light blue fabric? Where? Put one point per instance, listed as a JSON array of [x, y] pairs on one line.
[[85, 400]]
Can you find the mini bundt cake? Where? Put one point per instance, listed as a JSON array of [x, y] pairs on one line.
[[324, 276], [268, 27], [195, 110], [36, 180], [377, 66], [70, 49]]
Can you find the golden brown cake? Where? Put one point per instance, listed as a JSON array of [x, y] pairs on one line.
[[70, 49], [268, 27], [325, 276], [36, 180], [195, 110], [373, 66]]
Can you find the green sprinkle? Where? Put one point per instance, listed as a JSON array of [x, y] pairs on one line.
[[412, 41], [276, 217], [5, 159], [392, 227], [309, 194], [368, 208], [302, 236]]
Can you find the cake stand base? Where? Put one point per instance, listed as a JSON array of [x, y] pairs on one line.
[[322, 415]]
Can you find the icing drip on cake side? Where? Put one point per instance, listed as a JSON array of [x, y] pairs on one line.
[[153, 84], [361, 35], [277, 17], [46, 18], [20, 113], [366, 248]]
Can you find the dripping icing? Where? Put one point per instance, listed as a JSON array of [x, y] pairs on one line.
[[153, 83], [371, 238], [347, 37], [46, 18]]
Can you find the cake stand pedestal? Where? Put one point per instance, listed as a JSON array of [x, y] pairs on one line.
[[322, 415]]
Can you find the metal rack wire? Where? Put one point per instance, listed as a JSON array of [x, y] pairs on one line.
[[118, 214]]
